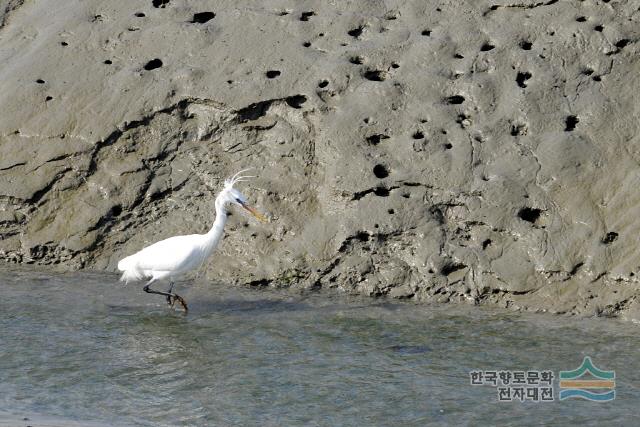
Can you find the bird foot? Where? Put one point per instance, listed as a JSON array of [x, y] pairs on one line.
[[171, 300]]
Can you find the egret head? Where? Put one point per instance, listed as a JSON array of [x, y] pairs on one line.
[[230, 195]]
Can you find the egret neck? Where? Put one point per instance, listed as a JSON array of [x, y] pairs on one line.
[[212, 238]]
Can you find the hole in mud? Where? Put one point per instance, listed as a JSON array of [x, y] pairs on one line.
[[140, 15], [451, 267], [229, 81], [296, 101], [518, 129], [356, 32], [581, 19], [306, 44], [108, 62], [448, 146], [458, 56], [375, 75], [522, 77], [526, 45], [272, 74], [486, 47], [529, 214], [48, 98], [381, 192], [597, 78], [395, 65], [426, 33], [380, 171], [621, 44], [40, 81], [253, 111], [391, 211], [587, 71], [375, 139], [358, 60], [202, 17], [418, 135], [323, 83], [362, 236], [306, 15], [284, 13], [570, 123], [153, 64], [486, 243], [455, 99], [611, 237], [115, 211], [64, 43], [599, 28], [160, 3]]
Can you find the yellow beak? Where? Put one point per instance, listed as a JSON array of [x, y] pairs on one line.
[[255, 213]]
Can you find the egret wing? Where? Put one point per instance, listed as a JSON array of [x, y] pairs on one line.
[[173, 254]]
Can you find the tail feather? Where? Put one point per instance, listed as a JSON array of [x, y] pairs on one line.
[[130, 270]]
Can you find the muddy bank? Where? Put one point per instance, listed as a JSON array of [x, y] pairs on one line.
[[445, 151]]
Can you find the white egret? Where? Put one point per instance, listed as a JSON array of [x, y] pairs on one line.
[[179, 254]]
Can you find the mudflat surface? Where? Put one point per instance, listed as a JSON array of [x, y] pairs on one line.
[[478, 151]]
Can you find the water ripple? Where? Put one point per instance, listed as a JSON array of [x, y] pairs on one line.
[[82, 347]]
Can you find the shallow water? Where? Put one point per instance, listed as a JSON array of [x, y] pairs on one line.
[[81, 347]]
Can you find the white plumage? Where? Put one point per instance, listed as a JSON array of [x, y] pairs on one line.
[[179, 254], [172, 256]]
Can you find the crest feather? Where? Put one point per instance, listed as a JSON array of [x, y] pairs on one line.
[[231, 181]]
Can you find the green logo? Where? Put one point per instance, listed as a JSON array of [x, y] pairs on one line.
[[573, 386]]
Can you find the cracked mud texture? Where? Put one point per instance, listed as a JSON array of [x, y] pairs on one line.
[[445, 151]]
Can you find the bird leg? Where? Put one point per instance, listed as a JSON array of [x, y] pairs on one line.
[[169, 291], [171, 297]]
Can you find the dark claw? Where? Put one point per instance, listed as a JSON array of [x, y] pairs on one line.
[[171, 297], [181, 301]]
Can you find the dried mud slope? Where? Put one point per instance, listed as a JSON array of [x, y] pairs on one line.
[[475, 151]]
